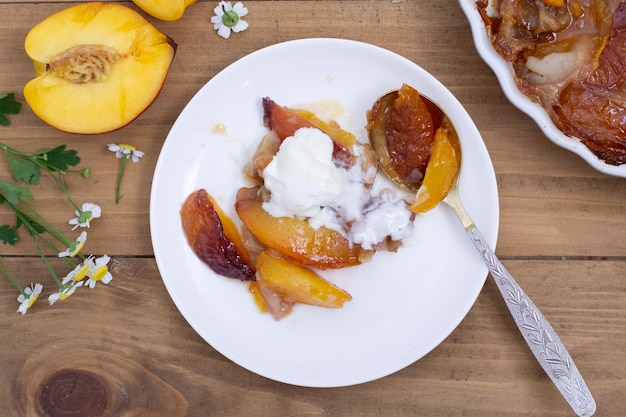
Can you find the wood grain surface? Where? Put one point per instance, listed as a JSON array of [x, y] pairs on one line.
[[125, 350]]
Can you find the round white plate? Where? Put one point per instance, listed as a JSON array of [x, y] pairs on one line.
[[506, 76], [404, 304]]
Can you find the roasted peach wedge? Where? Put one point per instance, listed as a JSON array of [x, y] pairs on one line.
[[297, 283], [284, 121], [554, 3], [214, 237], [297, 239], [98, 66], [442, 169], [403, 127], [270, 301], [167, 10]]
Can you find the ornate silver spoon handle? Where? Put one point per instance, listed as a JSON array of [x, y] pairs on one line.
[[543, 341]]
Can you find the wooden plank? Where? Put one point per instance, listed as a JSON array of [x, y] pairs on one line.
[[560, 236], [482, 369]]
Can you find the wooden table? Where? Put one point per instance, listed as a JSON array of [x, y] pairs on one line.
[[561, 235]]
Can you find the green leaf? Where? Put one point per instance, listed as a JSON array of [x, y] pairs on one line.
[[24, 170], [13, 192], [35, 226], [59, 158], [8, 235], [8, 105]]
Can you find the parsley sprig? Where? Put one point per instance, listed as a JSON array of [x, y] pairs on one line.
[[55, 162], [27, 169], [8, 105], [16, 197]]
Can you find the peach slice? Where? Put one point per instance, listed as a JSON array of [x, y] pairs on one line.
[[99, 65], [255, 289], [442, 169], [594, 110], [296, 283], [554, 3], [284, 121], [214, 237], [296, 238], [167, 10], [270, 301], [406, 123]]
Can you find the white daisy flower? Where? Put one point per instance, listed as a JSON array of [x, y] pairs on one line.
[[64, 293], [228, 18], [125, 150], [79, 273], [86, 214], [28, 298], [99, 271], [75, 247]]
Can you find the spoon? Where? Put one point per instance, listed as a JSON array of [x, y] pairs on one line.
[[535, 328]]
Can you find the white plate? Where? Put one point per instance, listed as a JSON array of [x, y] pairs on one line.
[[506, 76], [403, 305]]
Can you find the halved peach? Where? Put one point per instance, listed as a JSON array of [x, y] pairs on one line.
[[99, 65], [297, 283], [214, 237], [164, 9], [296, 238]]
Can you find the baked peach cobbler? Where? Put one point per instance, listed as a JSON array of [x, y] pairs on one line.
[[569, 56], [314, 202]]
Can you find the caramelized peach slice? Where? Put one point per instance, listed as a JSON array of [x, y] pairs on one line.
[[595, 110], [257, 296], [270, 301], [554, 3], [442, 169], [297, 283], [405, 121], [265, 152], [214, 237], [611, 68], [296, 238], [99, 65], [284, 121], [164, 9]]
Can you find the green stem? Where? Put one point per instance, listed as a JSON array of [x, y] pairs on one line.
[[61, 184], [118, 197], [12, 280], [230, 18], [8, 149], [85, 172], [55, 249], [39, 219], [48, 266]]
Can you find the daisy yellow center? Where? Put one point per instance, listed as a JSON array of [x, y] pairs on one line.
[[99, 273], [75, 248], [32, 299], [64, 295], [81, 273], [126, 146]]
